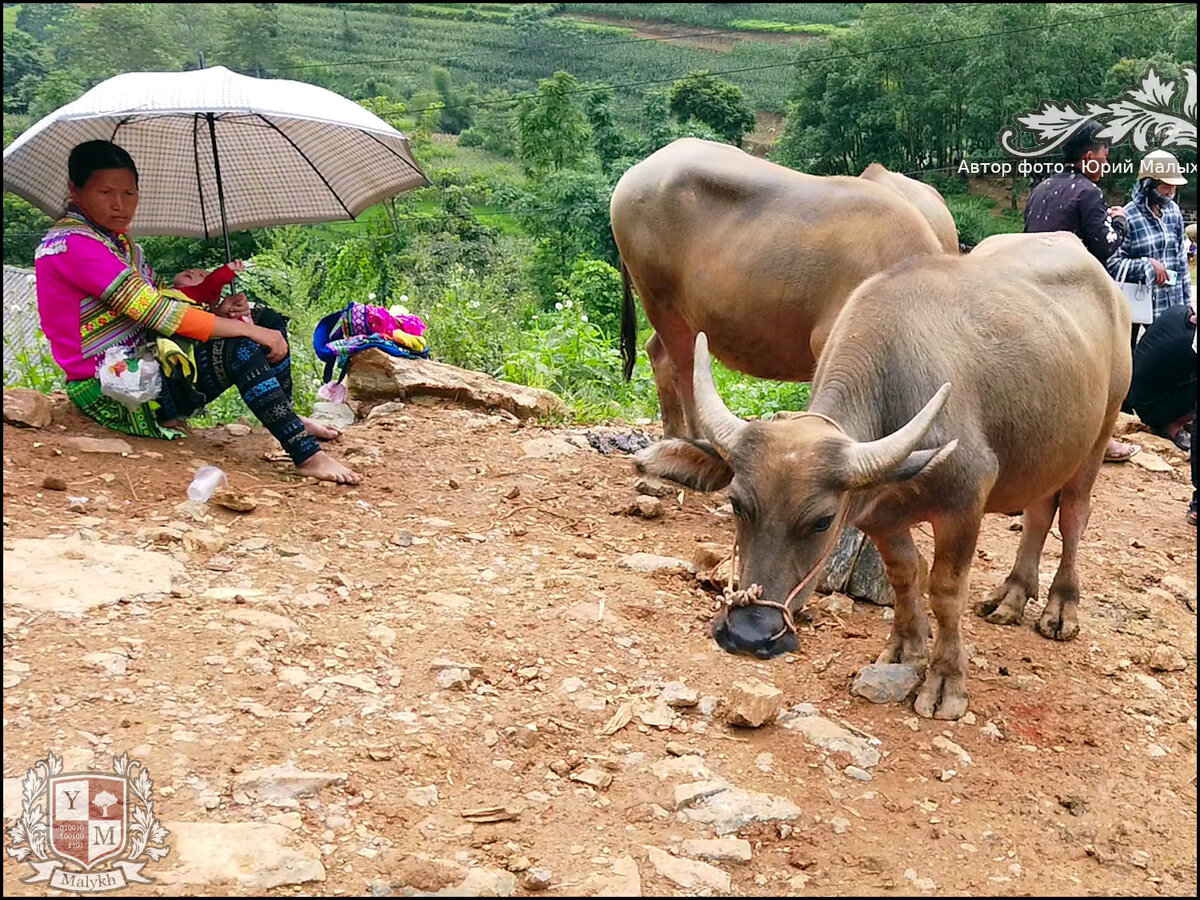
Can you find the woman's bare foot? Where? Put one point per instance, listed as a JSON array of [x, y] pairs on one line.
[[324, 467], [320, 430], [177, 424]]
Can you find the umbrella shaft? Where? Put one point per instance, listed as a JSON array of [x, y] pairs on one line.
[[212, 133]]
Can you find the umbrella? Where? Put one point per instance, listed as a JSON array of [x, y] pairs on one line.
[[218, 152]]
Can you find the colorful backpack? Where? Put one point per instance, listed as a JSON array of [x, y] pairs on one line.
[[341, 334]]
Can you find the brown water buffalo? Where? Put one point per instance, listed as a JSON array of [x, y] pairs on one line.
[[924, 197], [759, 257], [1023, 348]]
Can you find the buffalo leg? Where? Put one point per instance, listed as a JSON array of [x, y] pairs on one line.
[[665, 380], [672, 350], [944, 692], [1006, 605], [1059, 619], [909, 641]]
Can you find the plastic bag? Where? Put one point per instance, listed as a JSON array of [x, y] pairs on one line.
[[332, 392], [129, 376]]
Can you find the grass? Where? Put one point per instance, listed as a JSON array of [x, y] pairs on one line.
[[492, 53], [722, 15]]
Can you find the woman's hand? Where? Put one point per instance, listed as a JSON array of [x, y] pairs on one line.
[[1160, 272], [233, 307], [272, 342]]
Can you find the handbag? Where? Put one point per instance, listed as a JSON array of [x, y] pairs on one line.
[[1139, 296]]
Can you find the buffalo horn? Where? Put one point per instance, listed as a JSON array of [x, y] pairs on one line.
[[870, 461], [717, 423]]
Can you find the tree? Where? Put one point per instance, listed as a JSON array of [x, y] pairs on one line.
[[391, 111], [552, 131], [493, 128], [458, 111], [568, 214], [531, 21], [252, 41], [713, 101], [57, 89], [43, 21], [607, 139], [23, 57], [107, 39]]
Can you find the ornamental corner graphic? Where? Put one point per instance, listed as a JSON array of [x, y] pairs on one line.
[[87, 832]]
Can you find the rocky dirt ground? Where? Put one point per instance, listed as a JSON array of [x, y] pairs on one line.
[[404, 687]]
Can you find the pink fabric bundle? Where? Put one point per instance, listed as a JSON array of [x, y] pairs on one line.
[[383, 322]]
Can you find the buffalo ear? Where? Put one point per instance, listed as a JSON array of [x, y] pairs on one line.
[[694, 464], [918, 461]]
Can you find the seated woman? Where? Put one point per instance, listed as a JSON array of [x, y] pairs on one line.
[[1163, 392], [95, 291]]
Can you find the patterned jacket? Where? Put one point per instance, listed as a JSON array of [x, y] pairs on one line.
[[1070, 201], [1151, 237]]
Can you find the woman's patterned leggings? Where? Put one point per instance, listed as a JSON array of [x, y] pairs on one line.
[[267, 389]]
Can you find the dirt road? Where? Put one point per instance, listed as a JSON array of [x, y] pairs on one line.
[[325, 685]]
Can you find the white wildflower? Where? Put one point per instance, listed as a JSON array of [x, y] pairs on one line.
[[558, 306]]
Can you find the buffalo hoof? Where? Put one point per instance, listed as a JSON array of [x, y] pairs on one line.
[[942, 697], [1006, 606], [909, 651], [1058, 627]]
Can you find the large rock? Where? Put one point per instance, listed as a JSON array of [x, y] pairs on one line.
[[732, 810], [375, 377], [479, 882], [868, 581], [688, 873], [623, 881], [256, 856], [833, 737], [73, 576], [753, 703], [719, 850], [855, 568], [26, 408], [282, 785], [841, 560], [886, 682]]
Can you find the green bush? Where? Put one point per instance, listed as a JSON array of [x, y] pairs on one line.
[[595, 287], [747, 396], [563, 351]]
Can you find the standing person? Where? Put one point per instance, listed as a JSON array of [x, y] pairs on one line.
[[1155, 249], [95, 291], [1072, 201]]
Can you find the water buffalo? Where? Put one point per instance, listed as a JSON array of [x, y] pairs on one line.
[[759, 257], [950, 386], [924, 197]]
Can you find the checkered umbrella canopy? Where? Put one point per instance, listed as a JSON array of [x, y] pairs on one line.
[[218, 152]]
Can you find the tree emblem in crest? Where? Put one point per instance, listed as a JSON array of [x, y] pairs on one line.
[[1148, 115], [71, 824]]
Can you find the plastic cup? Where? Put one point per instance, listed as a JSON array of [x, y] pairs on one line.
[[205, 484]]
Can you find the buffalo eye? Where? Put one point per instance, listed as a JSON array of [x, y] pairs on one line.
[[738, 509], [823, 523]]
